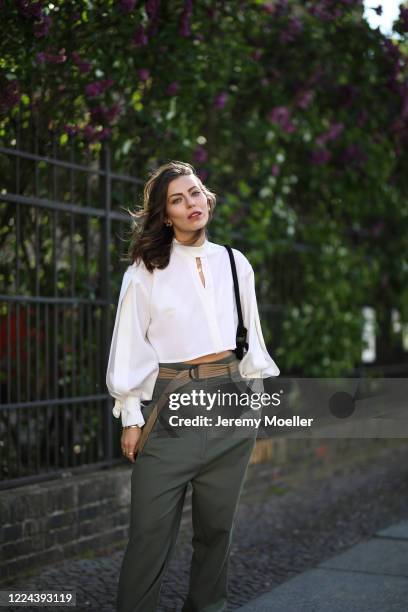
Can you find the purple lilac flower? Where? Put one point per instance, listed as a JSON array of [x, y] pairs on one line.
[[294, 28], [353, 154], [281, 7], [127, 6], [70, 129], [325, 11], [144, 74], [362, 118], [92, 90], [200, 155], [29, 9], [403, 16], [289, 127], [275, 170], [331, 134], [113, 112], [42, 29], [83, 65], [320, 11], [100, 114], [152, 9], [51, 58], [97, 114], [173, 88], [60, 58], [280, 115], [395, 67], [202, 174], [404, 110], [40, 58], [398, 126], [316, 75], [305, 99], [103, 134], [11, 94], [185, 29], [96, 88], [347, 94], [221, 100], [275, 73], [320, 156], [269, 8], [92, 134], [257, 54], [391, 48], [377, 229], [140, 38], [89, 132]]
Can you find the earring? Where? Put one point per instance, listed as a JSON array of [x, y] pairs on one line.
[[168, 223]]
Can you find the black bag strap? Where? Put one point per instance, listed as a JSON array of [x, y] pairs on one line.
[[236, 288], [241, 330]]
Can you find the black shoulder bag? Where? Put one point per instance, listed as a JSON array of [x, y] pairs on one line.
[[242, 344]]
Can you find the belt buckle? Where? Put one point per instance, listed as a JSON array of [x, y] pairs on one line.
[[191, 368]]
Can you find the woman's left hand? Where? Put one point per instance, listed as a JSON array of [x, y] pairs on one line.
[[129, 441]]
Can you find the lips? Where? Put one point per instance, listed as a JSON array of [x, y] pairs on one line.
[[195, 215]]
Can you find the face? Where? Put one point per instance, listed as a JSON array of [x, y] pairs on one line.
[[185, 199]]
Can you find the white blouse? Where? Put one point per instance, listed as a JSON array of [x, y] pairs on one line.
[[170, 316]]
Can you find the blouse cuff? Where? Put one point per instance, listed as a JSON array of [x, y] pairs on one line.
[[130, 410]]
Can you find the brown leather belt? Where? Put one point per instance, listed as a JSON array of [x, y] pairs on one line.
[[178, 378]]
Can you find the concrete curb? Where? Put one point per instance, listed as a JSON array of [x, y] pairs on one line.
[[369, 577]]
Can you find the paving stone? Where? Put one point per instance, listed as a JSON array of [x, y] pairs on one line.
[[321, 590], [377, 556], [399, 531]]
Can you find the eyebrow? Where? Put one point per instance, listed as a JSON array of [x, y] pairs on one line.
[[193, 187]]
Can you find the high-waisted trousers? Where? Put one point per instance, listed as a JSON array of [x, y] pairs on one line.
[[215, 464]]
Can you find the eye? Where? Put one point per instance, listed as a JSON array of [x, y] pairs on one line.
[[194, 193]]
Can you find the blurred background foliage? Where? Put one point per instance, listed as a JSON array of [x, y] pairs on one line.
[[294, 112]]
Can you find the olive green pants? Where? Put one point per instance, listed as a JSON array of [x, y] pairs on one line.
[[215, 462]]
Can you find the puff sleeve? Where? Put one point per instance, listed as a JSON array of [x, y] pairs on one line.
[[256, 363], [132, 365]]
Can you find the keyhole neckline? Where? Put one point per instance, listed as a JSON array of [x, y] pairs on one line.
[[200, 272]]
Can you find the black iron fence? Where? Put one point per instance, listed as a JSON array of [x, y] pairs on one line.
[[57, 233]]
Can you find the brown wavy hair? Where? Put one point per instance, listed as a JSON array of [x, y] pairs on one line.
[[151, 239]]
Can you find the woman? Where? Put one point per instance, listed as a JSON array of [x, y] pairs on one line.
[[177, 310]]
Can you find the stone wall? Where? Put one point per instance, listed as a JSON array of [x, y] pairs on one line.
[[61, 518]]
